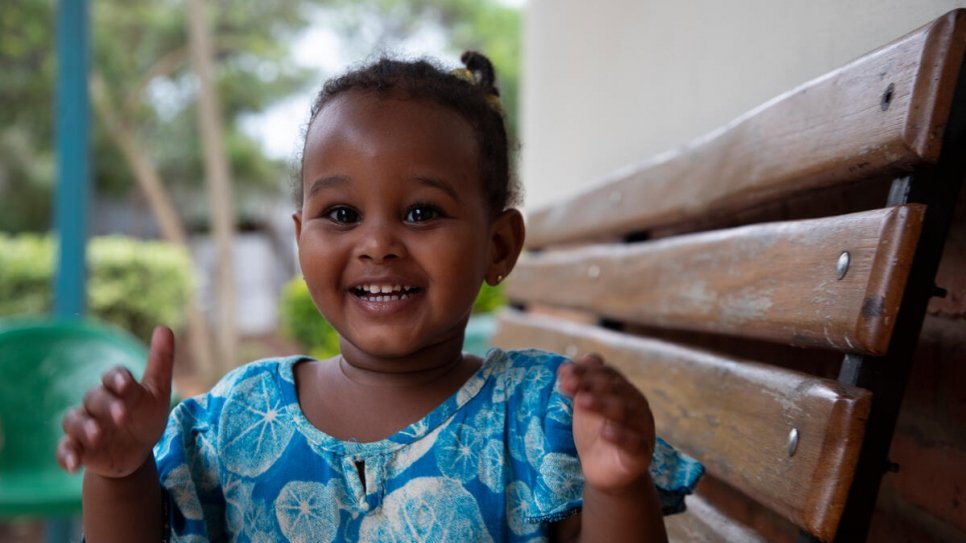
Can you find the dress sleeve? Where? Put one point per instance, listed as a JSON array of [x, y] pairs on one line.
[[675, 475], [189, 473]]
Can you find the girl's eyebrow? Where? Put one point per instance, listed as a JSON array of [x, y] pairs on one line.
[[439, 184], [337, 180], [328, 181]]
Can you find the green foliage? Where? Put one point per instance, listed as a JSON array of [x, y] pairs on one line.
[[26, 271], [302, 322], [489, 299], [132, 284]]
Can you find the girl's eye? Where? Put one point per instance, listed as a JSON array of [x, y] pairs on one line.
[[342, 215], [422, 213]]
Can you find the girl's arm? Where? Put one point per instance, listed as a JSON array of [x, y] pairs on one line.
[[614, 433], [112, 435], [123, 508]]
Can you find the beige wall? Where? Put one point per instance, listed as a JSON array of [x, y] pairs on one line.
[[608, 83]]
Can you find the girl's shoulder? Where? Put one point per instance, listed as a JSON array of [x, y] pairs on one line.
[[530, 357], [275, 368], [526, 372]]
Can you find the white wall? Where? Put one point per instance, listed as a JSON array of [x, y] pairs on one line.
[[608, 83]]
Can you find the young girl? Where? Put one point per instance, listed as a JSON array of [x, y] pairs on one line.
[[405, 206]]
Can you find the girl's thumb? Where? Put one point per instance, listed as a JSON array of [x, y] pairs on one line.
[[157, 373]]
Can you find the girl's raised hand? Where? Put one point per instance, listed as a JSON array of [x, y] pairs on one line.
[[113, 431], [613, 425]]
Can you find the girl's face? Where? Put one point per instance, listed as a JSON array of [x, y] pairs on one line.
[[394, 235]]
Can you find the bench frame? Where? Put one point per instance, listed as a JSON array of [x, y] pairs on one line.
[[938, 188]]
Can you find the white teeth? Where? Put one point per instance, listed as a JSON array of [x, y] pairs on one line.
[[387, 298], [382, 289]]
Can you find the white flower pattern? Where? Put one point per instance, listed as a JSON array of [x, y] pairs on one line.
[[427, 510], [257, 427], [305, 512]]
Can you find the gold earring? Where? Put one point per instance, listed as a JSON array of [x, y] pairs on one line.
[[499, 278]]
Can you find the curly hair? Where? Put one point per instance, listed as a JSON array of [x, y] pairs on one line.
[[471, 92]]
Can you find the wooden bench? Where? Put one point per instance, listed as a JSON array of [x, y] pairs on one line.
[[765, 286]]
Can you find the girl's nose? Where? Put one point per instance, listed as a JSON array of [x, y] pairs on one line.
[[380, 241]]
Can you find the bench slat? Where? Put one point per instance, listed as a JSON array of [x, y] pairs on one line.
[[702, 523], [774, 281], [733, 416], [877, 116]]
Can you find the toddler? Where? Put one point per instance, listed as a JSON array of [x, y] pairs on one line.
[[405, 206]]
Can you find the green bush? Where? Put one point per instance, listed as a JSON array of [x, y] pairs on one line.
[[303, 323], [489, 299], [132, 284]]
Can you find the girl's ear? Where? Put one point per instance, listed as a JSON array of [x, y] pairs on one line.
[[297, 217], [506, 242]]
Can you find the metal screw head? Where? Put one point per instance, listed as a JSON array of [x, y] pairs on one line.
[[842, 266], [593, 271], [886, 100], [792, 442]]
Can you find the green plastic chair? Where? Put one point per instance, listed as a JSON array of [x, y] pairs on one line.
[[479, 334], [46, 367]]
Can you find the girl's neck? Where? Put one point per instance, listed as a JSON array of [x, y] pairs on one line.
[[367, 399]]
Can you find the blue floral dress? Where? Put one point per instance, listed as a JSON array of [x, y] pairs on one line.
[[495, 462]]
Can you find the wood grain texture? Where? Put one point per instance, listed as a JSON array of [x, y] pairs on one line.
[[734, 416], [774, 281], [702, 523], [877, 116]]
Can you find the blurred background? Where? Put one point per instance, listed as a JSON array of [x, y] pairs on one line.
[[157, 227], [197, 112]]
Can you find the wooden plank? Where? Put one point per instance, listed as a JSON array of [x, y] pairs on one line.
[[702, 523], [877, 116], [734, 416], [774, 281]]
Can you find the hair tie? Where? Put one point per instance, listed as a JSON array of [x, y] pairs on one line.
[[492, 98]]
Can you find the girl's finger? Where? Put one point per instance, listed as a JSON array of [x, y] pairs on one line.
[[628, 439], [600, 380], [590, 359], [68, 454], [104, 406], [81, 427], [118, 380], [159, 369], [566, 375], [615, 408]]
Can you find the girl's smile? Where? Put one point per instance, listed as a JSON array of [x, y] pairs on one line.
[[383, 298]]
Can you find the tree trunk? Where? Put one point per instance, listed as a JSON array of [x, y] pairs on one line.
[[219, 182], [147, 178]]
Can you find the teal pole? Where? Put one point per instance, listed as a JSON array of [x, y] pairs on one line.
[[72, 129]]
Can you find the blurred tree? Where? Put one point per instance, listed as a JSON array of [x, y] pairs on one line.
[[140, 55], [26, 127], [218, 174]]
